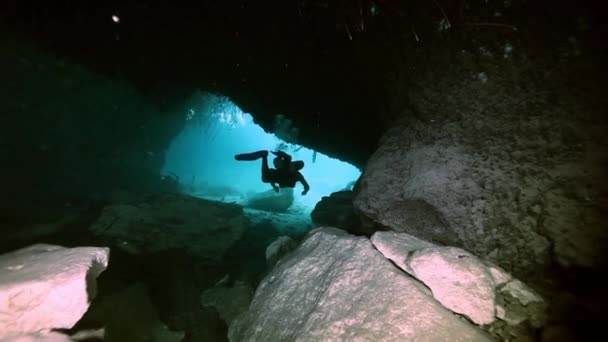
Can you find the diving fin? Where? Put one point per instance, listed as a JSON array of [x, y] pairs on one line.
[[251, 156]]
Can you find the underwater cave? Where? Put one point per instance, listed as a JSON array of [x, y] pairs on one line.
[[455, 153], [201, 159]]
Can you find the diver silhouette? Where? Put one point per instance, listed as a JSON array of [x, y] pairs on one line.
[[286, 172]]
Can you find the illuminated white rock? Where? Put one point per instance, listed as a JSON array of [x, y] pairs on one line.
[[45, 287], [53, 336], [398, 247], [337, 287], [460, 281], [499, 275]]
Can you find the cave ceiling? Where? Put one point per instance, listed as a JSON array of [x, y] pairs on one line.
[[323, 64]]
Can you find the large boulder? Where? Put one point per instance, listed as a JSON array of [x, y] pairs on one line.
[[337, 287], [465, 284], [489, 156], [203, 228], [270, 200], [46, 287]]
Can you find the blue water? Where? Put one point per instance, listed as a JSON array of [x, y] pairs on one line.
[[202, 157]]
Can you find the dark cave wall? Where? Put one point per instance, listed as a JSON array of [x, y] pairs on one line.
[[66, 131], [294, 58], [269, 57], [501, 151]]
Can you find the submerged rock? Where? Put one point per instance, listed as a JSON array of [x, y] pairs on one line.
[[336, 286], [270, 200], [458, 280], [399, 247], [130, 316], [520, 303], [45, 287], [203, 228], [278, 248], [467, 285], [509, 176], [229, 301], [336, 210]]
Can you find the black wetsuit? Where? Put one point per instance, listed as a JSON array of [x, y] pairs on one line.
[[286, 174]]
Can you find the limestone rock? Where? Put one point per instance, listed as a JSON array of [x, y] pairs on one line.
[[228, 301], [577, 228], [50, 336], [53, 336], [499, 275], [203, 228], [278, 248], [293, 223], [456, 277], [511, 187], [130, 316], [458, 280], [336, 286], [516, 289], [45, 287], [336, 210], [398, 247], [521, 303], [271, 200]]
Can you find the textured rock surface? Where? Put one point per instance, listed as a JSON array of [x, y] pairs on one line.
[[41, 337], [271, 201], [458, 280], [278, 248], [519, 303], [130, 316], [52, 336], [507, 167], [499, 275], [45, 287], [229, 301], [336, 210], [462, 283], [204, 228], [516, 289], [336, 286], [398, 247]]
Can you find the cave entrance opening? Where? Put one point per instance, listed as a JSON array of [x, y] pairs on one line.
[[201, 158]]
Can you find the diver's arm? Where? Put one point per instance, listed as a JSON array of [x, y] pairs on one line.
[[304, 183], [275, 187]]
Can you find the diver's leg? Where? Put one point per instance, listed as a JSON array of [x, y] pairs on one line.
[[269, 175], [265, 170]]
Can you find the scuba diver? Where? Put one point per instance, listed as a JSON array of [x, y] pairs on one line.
[[286, 172]]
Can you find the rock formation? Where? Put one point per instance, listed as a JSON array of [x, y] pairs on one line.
[[336, 286], [45, 287]]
